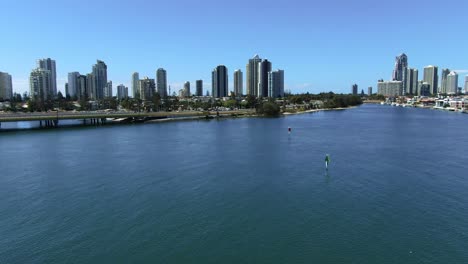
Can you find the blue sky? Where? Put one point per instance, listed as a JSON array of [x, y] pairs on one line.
[[321, 45]]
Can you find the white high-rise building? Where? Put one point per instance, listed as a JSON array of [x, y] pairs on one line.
[[39, 84], [238, 83], [73, 83], [252, 75], [6, 86], [187, 89], [122, 92], [431, 77], [443, 81], [136, 85], [390, 88], [452, 83], [276, 84], [49, 64], [108, 90], [161, 82], [466, 84]]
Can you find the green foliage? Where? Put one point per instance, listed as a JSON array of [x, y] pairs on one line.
[[269, 109], [376, 97]]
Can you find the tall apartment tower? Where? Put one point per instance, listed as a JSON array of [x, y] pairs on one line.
[[73, 83], [122, 92], [49, 64], [411, 80], [100, 79], [6, 86], [39, 84], [354, 89], [264, 67], [369, 91], [187, 89], [466, 84], [108, 90], [82, 91], [443, 81], [276, 84], [161, 82], [219, 82], [452, 83], [147, 87], [238, 83], [199, 88], [401, 63], [252, 75], [136, 85], [431, 78]]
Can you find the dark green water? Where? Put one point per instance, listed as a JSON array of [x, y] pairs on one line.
[[240, 190]]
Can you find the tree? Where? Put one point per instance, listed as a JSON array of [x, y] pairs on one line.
[[269, 109]]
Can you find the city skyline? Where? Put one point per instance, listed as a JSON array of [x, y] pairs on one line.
[[312, 42]]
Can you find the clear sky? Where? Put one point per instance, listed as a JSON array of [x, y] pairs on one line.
[[321, 45]]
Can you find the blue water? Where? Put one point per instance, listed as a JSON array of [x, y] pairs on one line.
[[240, 190]]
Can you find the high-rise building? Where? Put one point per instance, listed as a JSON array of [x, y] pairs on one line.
[[354, 89], [390, 88], [90, 85], [466, 84], [443, 81], [108, 90], [66, 89], [219, 82], [238, 83], [264, 67], [276, 84], [122, 92], [431, 77], [49, 64], [187, 89], [424, 88], [136, 85], [199, 87], [411, 82], [369, 91], [147, 88], [72, 83], [401, 63], [39, 82], [82, 91], [6, 86], [161, 82], [252, 75], [100, 79], [452, 83]]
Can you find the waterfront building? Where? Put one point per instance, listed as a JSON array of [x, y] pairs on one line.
[[161, 82], [252, 75], [431, 77], [66, 89], [187, 92], [452, 83], [276, 84], [354, 89], [369, 91], [49, 65], [238, 83], [39, 82], [466, 84], [91, 85], [6, 86], [443, 81], [400, 71], [147, 88], [122, 92], [411, 80], [424, 88], [264, 67], [82, 88], [390, 88], [100, 80], [136, 85], [72, 84], [108, 90], [199, 87], [219, 82]]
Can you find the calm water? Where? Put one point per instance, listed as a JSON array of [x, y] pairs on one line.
[[240, 190]]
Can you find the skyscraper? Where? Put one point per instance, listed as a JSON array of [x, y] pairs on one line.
[[100, 79], [411, 82], [39, 82], [264, 67], [108, 90], [72, 83], [238, 83], [369, 91], [452, 83], [466, 84], [354, 89], [431, 78], [122, 92], [401, 63], [6, 86], [276, 84], [147, 88], [187, 89], [82, 91], [199, 86], [136, 85], [91, 85], [443, 81], [161, 82], [49, 64], [219, 82], [252, 75]]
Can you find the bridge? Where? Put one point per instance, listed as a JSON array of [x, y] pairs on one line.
[[52, 118]]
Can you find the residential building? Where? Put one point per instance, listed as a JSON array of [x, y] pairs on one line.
[[147, 88], [452, 83], [252, 75], [136, 85], [400, 71], [90, 85], [161, 82], [443, 81], [219, 82], [369, 91], [411, 78], [264, 67], [72, 84], [39, 84], [187, 89], [390, 88], [354, 89], [6, 86], [276, 84], [49, 64], [199, 88], [238, 83], [431, 78], [122, 92], [100, 80], [424, 88], [466, 84], [108, 90], [82, 91]]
